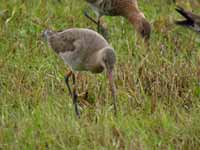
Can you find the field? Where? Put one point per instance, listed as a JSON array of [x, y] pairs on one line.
[[36, 112]]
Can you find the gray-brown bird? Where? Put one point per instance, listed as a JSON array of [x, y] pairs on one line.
[[125, 8], [83, 50], [191, 20]]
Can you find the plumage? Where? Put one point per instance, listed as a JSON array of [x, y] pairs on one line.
[[191, 20], [83, 50], [125, 8]]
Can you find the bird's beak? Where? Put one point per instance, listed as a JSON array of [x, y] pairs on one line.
[[112, 88]]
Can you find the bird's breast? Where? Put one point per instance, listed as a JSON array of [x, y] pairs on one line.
[[97, 69], [74, 62]]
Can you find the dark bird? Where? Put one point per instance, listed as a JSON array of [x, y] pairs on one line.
[[191, 20], [125, 8], [83, 50]]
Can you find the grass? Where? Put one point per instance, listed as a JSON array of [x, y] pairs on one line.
[[36, 111]]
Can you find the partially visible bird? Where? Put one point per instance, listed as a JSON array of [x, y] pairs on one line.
[[126, 8], [83, 50], [191, 20]]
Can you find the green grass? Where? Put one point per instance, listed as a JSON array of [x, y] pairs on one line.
[[36, 111]]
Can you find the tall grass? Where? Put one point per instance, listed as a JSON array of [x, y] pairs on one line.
[[36, 111]]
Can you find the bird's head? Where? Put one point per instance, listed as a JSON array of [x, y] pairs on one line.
[[145, 29], [108, 59]]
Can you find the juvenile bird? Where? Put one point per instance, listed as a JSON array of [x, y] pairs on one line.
[[125, 8], [83, 50], [191, 20]]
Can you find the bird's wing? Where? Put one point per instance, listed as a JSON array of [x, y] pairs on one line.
[[68, 45], [75, 47], [62, 43], [72, 40]]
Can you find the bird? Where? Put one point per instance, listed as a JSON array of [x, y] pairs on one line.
[[191, 21], [83, 50], [125, 8]]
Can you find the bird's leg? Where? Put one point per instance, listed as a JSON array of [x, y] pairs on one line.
[[100, 27], [68, 74], [113, 90], [98, 22], [75, 96], [90, 18]]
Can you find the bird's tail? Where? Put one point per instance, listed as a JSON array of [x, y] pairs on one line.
[[182, 12], [47, 33]]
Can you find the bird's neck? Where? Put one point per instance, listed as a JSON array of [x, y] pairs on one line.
[[99, 58], [95, 63], [135, 18]]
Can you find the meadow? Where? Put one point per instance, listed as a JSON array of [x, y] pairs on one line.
[[36, 111]]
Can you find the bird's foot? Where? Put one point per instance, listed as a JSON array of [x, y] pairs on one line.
[[83, 100], [83, 95], [86, 101]]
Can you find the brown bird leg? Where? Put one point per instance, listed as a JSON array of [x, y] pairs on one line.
[[68, 74], [75, 96]]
